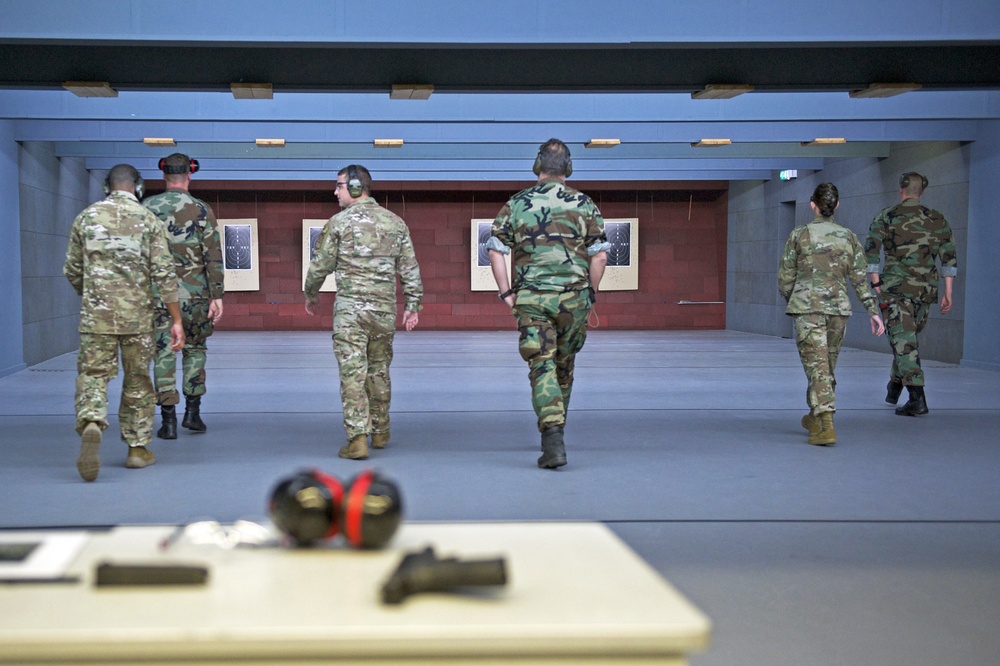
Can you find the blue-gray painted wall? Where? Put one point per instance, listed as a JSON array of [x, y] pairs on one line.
[[11, 341]]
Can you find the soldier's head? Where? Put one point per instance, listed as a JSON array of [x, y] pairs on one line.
[[912, 184], [124, 178], [353, 182], [825, 198], [177, 169], [553, 159]]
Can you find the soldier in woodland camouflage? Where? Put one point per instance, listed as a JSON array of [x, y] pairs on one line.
[[366, 247], [194, 242], [117, 256], [914, 239], [559, 250], [820, 259]]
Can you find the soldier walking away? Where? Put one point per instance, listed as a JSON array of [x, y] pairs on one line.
[[914, 239], [365, 246], [117, 256], [193, 234], [556, 237], [818, 262]]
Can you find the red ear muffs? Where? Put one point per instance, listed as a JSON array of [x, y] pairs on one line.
[[372, 510], [191, 167]]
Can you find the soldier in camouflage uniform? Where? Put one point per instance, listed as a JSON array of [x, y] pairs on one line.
[[559, 253], [914, 238], [194, 242], [117, 255], [366, 247], [818, 262]]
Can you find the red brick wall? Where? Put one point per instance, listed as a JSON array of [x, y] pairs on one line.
[[682, 251]]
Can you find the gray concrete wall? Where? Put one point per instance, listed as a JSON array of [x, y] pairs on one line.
[[52, 191], [758, 227], [11, 335]]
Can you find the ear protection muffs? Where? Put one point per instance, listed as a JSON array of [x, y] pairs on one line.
[[354, 186], [306, 506], [311, 505], [140, 187], [905, 179], [371, 512], [192, 166], [537, 166]]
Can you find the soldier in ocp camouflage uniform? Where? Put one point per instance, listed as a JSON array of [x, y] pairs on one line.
[[818, 262], [559, 250], [194, 242], [914, 239], [366, 247], [117, 255]]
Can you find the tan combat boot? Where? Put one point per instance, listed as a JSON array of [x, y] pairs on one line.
[[356, 449], [379, 440], [826, 436], [89, 462], [139, 457], [811, 423]]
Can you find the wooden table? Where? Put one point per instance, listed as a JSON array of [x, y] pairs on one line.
[[576, 594]]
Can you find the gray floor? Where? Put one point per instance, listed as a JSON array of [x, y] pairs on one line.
[[882, 550]]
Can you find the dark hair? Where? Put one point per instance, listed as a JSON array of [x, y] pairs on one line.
[[554, 158], [363, 175], [123, 174], [913, 183], [826, 197]]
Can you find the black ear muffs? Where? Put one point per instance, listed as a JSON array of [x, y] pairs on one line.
[[306, 506], [354, 186], [537, 166], [140, 187], [906, 179], [372, 510]]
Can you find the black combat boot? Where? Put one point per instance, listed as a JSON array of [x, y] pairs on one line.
[[892, 391], [553, 448], [192, 417], [168, 417], [916, 405]]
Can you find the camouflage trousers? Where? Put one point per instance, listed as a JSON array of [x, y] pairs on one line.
[[818, 338], [97, 364], [197, 328], [362, 343], [553, 330], [905, 320]]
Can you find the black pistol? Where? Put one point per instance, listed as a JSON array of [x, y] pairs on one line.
[[423, 572]]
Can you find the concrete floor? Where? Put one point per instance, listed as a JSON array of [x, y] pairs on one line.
[[884, 549]]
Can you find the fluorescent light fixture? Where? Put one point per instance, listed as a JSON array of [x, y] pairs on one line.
[[788, 174], [720, 91], [602, 143], [710, 143], [252, 90], [411, 91], [388, 143], [271, 143], [886, 89], [159, 141], [824, 141], [90, 88]]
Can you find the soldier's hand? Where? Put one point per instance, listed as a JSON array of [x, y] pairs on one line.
[[215, 310], [945, 303], [410, 320], [177, 336], [878, 326], [310, 307]]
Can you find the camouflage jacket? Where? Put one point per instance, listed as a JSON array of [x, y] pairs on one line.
[[366, 246], [913, 237], [552, 230], [194, 241], [117, 254], [819, 260]]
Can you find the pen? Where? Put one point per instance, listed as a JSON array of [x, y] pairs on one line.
[[173, 538]]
